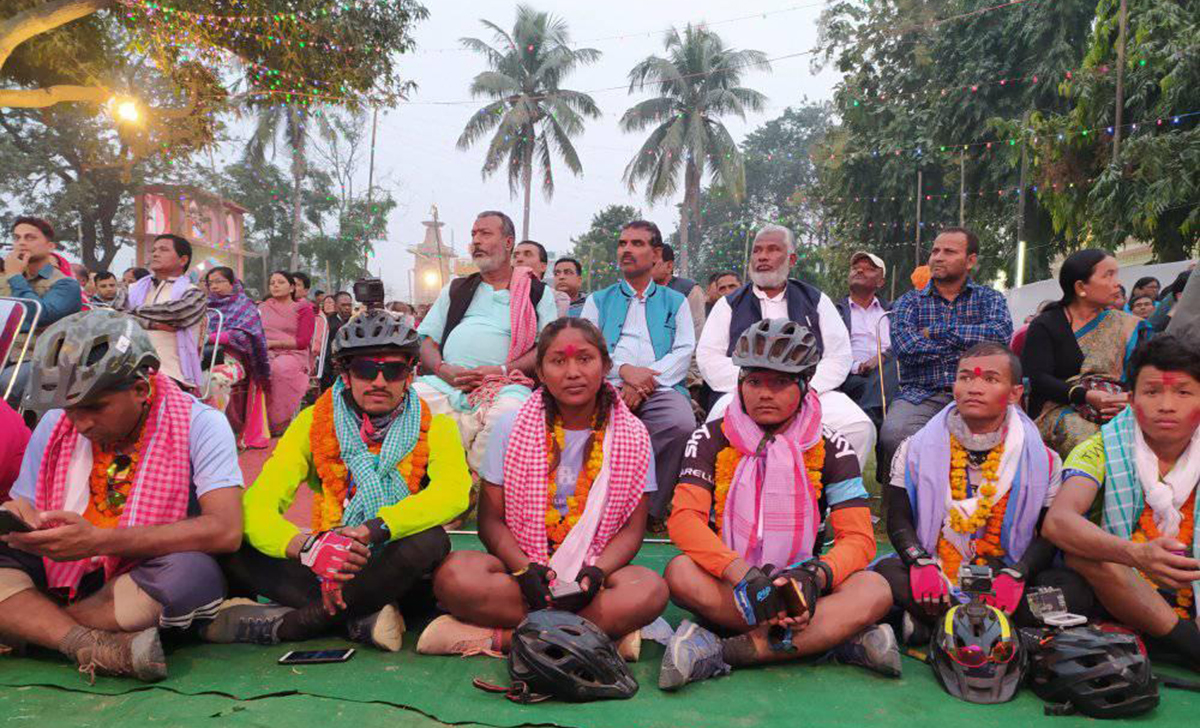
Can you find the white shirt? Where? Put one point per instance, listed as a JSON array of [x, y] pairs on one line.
[[721, 373], [634, 347], [863, 323], [166, 344]]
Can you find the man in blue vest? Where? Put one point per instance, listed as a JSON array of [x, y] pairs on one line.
[[651, 338], [770, 294]]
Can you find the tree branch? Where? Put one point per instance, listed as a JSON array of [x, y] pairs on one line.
[[42, 18], [51, 95]]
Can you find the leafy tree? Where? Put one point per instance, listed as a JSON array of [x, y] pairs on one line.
[[697, 82], [596, 249], [532, 115], [921, 95], [291, 122], [1152, 191]]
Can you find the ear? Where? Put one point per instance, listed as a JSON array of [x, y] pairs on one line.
[[792, 258], [972, 259], [1016, 394], [141, 390]]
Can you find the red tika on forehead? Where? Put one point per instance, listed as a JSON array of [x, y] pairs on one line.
[[1170, 378], [570, 350], [978, 371]]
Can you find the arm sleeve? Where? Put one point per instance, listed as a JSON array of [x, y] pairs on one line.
[[184, 312], [266, 502], [906, 334], [26, 483], [304, 329], [902, 531], [1037, 359], [673, 367], [853, 542], [1040, 552], [448, 491], [213, 451], [689, 530], [64, 298], [696, 303], [715, 366], [996, 324], [434, 323], [547, 308], [836, 357]]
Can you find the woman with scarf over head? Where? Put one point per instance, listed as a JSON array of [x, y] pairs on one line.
[[563, 503], [246, 359]]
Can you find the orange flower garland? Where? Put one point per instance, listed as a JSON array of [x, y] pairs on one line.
[[557, 525], [958, 486], [986, 547], [726, 466], [1148, 531], [103, 510], [335, 476]]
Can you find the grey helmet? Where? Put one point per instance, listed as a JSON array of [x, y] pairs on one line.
[[83, 356], [375, 331], [780, 345]]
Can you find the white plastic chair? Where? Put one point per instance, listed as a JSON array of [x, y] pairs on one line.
[[6, 312]]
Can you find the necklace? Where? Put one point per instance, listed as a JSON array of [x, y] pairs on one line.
[[1148, 531], [112, 477], [958, 485], [558, 525]]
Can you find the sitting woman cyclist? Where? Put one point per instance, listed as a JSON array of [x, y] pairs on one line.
[[562, 511], [751, 495]]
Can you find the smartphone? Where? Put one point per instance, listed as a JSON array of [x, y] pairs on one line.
[[793, 598], [12, 523], [315, 657], [567, 596]]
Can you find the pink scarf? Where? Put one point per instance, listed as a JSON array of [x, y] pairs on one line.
[[523, 322], [771, 514], [527, 480], [159, 494]]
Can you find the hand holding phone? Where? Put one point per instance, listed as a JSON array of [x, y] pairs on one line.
[[12, 523]]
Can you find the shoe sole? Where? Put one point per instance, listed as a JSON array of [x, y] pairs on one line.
[[669, 676], [149, 662], [388, 632]]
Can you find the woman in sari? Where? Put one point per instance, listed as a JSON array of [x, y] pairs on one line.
[[244, 344], [563, 505], [1075, 353], [289, 328]]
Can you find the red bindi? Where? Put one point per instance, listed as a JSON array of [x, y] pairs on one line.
[[570, 350], [978, 371], [1170, 378]]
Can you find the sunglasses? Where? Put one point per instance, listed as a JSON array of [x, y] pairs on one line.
[[368, 370], [974, 656]]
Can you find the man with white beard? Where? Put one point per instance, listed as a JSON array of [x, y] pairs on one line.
[[479, 338], [768, 295]]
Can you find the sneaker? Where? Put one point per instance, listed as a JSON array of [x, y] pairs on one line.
[[120, 654], [874, 648], [448, 636], [383, 629], [693, 654], [246, 621], [916, 633], [629, 647]]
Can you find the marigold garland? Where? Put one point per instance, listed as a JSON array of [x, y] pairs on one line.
[[958, 486], [335, 476], [986, 547], [557, 525], [1148, 531], [104, 510], [726, 466]]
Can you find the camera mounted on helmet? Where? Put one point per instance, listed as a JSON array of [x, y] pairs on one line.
[[369, 292]]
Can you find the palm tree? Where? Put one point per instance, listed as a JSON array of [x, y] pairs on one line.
[[292, 121], [697, 83], [530, 113]]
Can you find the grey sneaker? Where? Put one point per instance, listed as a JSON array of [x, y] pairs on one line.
[[874, 648], [383, 629], [693, 654], [121, 654], [246, 621]]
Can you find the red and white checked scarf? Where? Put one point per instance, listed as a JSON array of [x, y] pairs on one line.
[[527, 477], [523, 322], [160, 491]]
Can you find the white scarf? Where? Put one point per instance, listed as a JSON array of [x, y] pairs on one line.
[[1014, 442], [1166, 495]]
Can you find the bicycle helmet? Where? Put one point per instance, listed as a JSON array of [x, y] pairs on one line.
[[374, 332], [780, 345], [85, 355], [1100, 674], [563, 655], [977, 654]]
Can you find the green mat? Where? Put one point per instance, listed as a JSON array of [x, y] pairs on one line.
[[242, 684]]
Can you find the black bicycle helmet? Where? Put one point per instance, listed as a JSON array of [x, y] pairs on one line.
[[977, 654], [1100, 674], [563, 655], [85, 355], [780, 345], [372, 332]]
